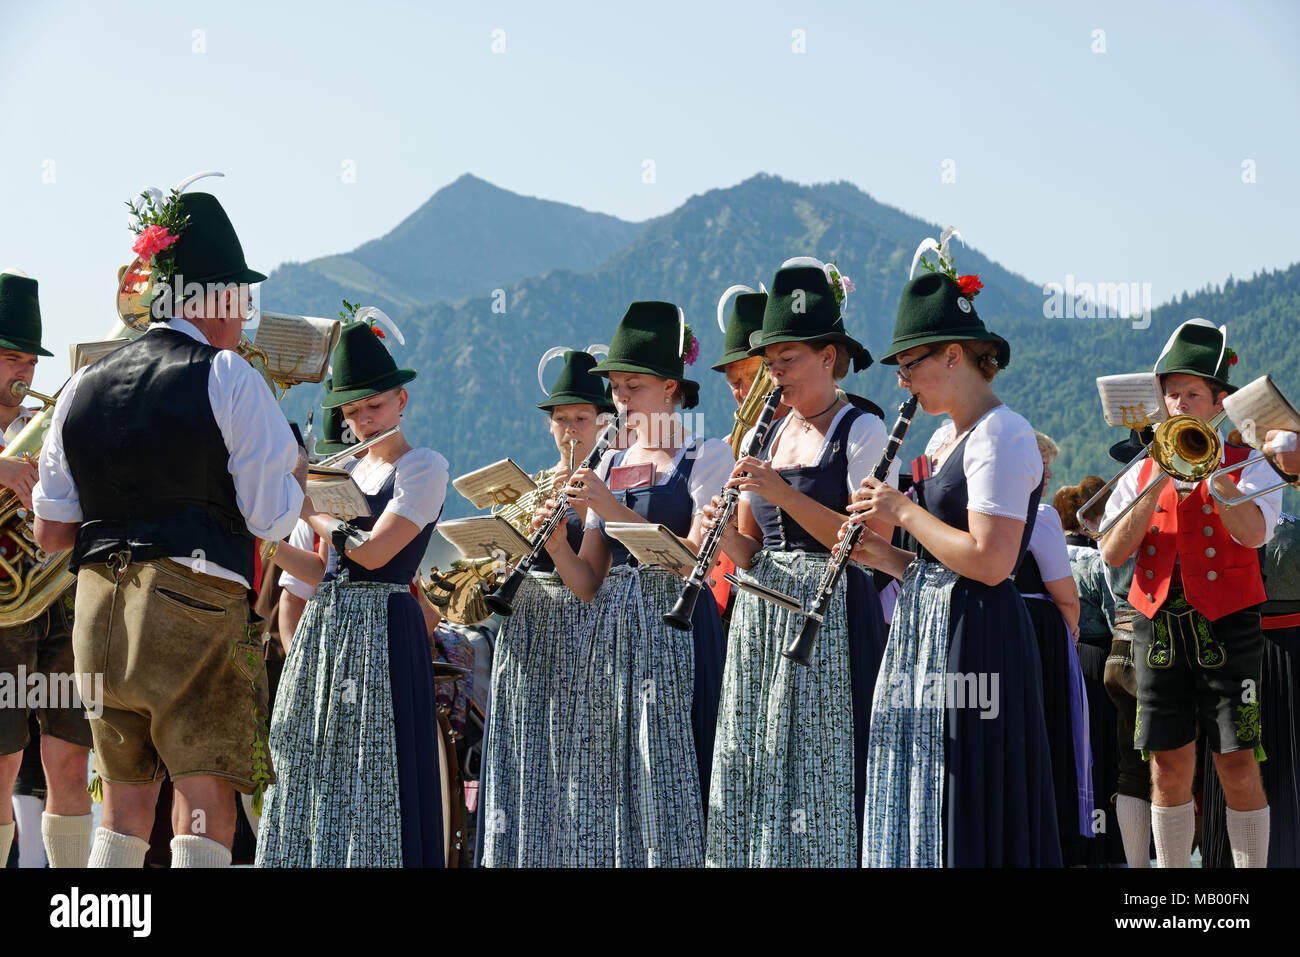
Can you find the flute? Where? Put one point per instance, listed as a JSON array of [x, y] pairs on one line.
[[680, 616], [501, 600], [800, 650]]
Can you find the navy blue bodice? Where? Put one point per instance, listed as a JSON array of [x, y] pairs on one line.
[[945, 496], [573, 531], [401, 568], [825, 482], [668, 504]]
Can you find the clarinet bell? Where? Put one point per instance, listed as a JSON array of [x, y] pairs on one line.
[[800, 650], [680, 616], [501, 601]]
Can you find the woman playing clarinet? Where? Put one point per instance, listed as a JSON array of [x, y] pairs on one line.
[[643, 696], [789, 757], [532, 663], [958, 770]]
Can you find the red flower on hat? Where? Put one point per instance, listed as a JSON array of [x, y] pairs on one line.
[[377, 331], [153, 241], [1232, 356], [969, 285]]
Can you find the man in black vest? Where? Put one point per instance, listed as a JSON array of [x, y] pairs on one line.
[[163, 464]]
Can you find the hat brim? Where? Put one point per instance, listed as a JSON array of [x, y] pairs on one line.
[[735, 355], [386, 383], [1200, 375], [28, 348], [899, 346], [858, 353], [690, 388], [601, 403]]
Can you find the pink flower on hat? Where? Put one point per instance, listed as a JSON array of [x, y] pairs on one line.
[[153, 241]]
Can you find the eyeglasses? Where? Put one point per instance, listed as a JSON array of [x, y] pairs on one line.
[[905, 370]]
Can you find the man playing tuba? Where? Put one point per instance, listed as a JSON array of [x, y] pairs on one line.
[[1197, 643], [42, 646], [164, 462]]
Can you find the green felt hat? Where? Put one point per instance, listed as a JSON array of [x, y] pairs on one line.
[[576, 385], [801, 307], [20, 315], [745, 320], [362, 367], [208, 250], [932, 309], [331, 440], [1198, 348], [649, 340]]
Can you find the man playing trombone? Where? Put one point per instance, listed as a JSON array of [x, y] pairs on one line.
[[1197, 641]]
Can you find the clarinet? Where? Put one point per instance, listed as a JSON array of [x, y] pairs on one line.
[[800, 650], [680, 616], [502, 598]]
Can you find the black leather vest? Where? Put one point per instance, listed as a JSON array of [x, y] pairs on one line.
[[148, 459]]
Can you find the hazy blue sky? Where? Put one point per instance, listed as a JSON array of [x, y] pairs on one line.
[[1116, 166]]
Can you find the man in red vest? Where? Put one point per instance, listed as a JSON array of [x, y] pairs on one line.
[[1197, 643]]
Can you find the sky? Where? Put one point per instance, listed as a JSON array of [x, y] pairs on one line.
[[1113, 142]]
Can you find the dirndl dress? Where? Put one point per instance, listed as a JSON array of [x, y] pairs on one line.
[[526, 732], [354, 732], [641, 707], [958, 769], [790, 759]]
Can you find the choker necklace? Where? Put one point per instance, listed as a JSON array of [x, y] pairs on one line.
[[807, 421]]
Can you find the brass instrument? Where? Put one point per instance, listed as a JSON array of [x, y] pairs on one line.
[[748, 412], [1185, 447], [30, 579], [459, 594]]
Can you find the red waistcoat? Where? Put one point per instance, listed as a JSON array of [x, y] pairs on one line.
[[1219, 576]]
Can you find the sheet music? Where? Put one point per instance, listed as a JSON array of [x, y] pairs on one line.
[[495, 485], [88, 353], [1133, 400], [297, 348], [334, 491], [1259, 406], [652, 544], [484, 536]]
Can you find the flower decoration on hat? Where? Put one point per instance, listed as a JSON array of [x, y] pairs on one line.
[[969, 284], [840, 283], [372, 316], [157, 222], [687, 345], [1231, 353]]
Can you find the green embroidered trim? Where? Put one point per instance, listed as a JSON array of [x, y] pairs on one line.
[[1209, 653], [1248, 722], [1161, 653], [260, 773]]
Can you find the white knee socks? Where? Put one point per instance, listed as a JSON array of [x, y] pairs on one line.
[[1135, 828], [67, 839], [1248, 835], [117, 850], [1174, 829], [190, 850], [6, 841]]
